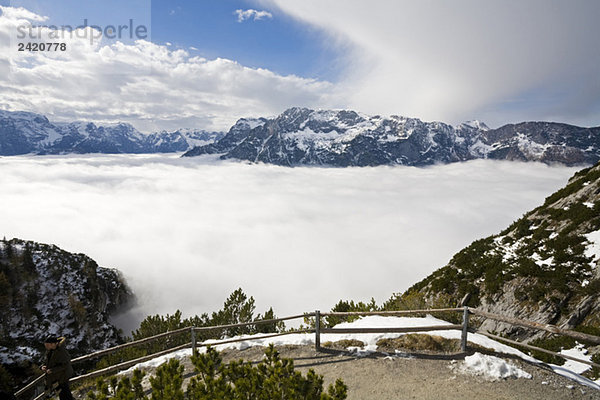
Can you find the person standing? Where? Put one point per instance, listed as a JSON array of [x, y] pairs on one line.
[[58, 367]]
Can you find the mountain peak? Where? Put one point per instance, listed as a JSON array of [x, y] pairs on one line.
[[476, 124]]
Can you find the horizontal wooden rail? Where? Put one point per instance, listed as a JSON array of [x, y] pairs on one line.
[[129, 344], [127, 364], [389, 313], [131, 363], [528, 346], [537, 326], [178, 331], [393, 330]]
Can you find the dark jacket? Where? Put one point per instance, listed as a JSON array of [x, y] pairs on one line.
[[59, 363]]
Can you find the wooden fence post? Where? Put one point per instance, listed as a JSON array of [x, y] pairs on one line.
[[318, 330], [193, 341], [465, 326]]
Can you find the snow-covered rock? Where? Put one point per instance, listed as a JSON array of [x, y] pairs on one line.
[[48, 291]]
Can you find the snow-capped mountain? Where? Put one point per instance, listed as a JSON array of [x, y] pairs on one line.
[[45, 290], [24, 132], [301, 136]]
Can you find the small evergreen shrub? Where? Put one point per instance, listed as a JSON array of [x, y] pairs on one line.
[[272, 378], [344, 344]]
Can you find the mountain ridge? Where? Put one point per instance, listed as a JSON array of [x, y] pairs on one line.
[[23, 132], [341, 138]]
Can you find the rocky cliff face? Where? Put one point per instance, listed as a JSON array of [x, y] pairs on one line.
[[301, 136], [47, 291], [545, 267]]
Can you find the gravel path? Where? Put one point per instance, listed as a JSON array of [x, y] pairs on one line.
[[430, 377]]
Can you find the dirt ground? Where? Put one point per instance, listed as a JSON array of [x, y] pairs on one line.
[[417, 376]]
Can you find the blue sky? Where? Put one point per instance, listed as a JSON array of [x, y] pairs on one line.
[[280, 44]]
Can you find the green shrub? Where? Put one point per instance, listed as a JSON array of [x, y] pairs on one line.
[[6, 380], [166, 384], [344, 344], [237, 308], [350, 306], [272, 378]]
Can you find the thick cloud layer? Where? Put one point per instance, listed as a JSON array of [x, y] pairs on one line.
[[188, 232]]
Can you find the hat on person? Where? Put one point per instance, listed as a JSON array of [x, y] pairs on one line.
[[51, 339]]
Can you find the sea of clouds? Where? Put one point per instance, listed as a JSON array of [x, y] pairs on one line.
[[187, 232]]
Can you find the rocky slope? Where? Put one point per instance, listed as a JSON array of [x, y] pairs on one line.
[[302, 136], [24, 133], [47, 291], [545, 267]]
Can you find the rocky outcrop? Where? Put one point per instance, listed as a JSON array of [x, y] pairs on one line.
[[545, 267], [47, 291]]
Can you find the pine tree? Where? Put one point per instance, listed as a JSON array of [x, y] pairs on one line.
[[269, 328], [27, 263], [238, 308], [166, 385]]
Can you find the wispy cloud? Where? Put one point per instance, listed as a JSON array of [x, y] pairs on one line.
[[255, 15], [188, 232]]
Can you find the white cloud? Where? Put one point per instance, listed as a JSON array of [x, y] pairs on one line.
[[255, 15], [186, 232], [453, 61], [152, 86], [20, 14]]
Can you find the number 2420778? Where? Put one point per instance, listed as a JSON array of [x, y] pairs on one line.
[[35, 46]]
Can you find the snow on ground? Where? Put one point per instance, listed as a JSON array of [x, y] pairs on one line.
[[490, 368], [579, 351], [487, 366], [593, 248]]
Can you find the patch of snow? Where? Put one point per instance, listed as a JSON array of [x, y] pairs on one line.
[[491, 368], [575, 377], [480, 148], [588, 204], [251, 122], [475, 124], [593, 247], [526, 145], [542, 262], [579, 351]]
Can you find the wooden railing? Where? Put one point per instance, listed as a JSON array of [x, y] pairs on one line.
[[318, 330], [36, 383]]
